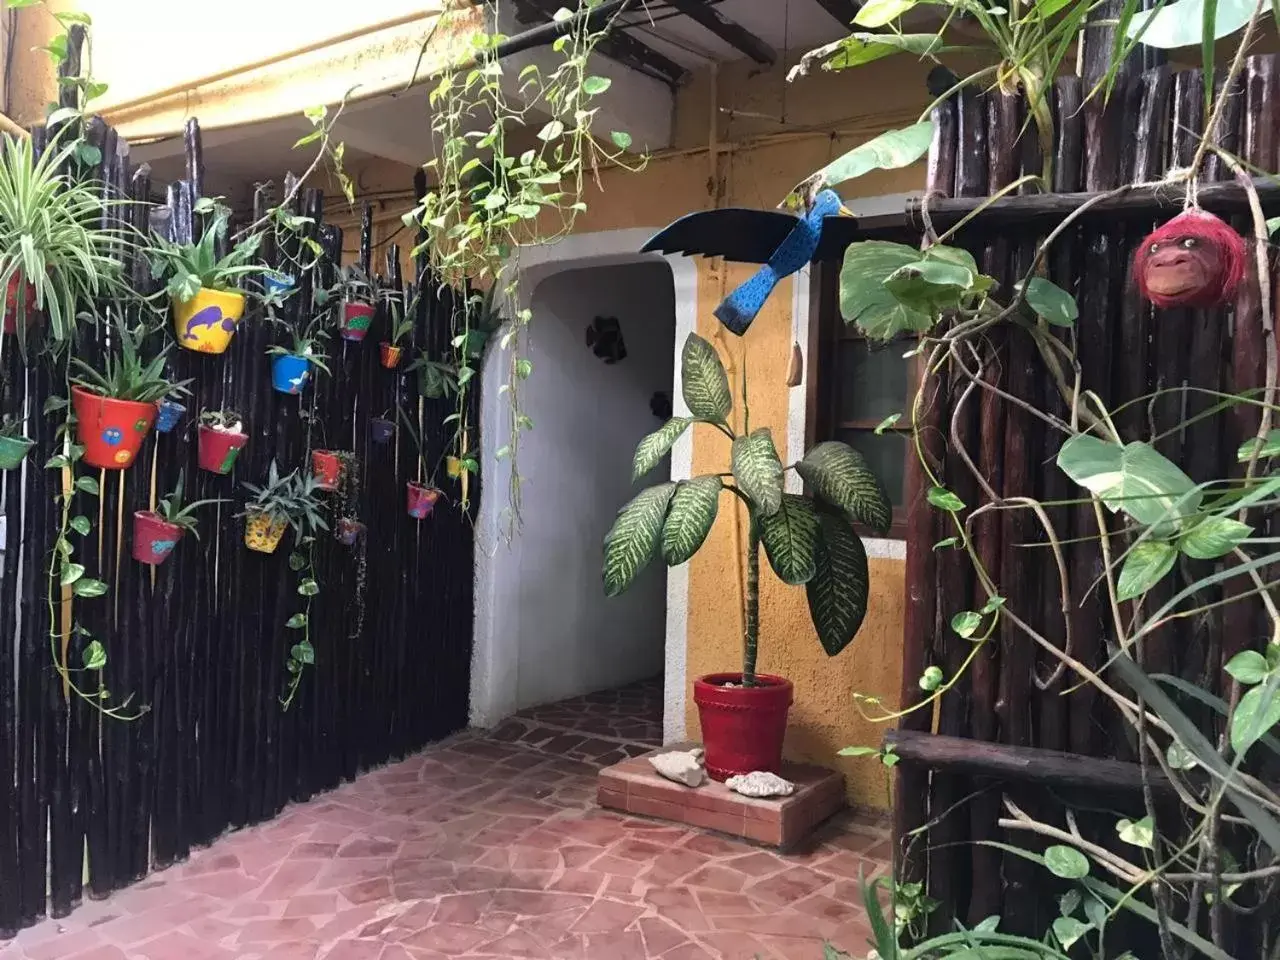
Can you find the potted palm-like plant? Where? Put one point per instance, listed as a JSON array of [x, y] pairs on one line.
[[401, 326], [201, 285], [157, 532], [14, 444], [287, 500], [809, 540], [115, 407], [356, 295], [220, 440], [421, 495], [291, 365]]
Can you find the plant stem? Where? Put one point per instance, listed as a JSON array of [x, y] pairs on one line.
[[752, 635]]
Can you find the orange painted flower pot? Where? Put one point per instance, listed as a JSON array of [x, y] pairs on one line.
[[390, 355], [110, 430], [326, 467]]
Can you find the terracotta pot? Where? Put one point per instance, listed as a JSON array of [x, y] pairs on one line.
[[154, 537], [110, 430], [168, 414], [326, 467], [390, 355], [13, 450], [11, 303], [381, 430], [420, 499], [356, 320], [219, 448], [206, 322], [263, 534], [349, 531], [742, 727], [290, 372]]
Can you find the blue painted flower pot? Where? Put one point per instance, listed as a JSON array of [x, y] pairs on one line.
[[168, 413], [381, 430], [277, 284], [290, 373]]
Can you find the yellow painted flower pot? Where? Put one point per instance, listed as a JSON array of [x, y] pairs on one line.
[[263, 534], [206, 322]]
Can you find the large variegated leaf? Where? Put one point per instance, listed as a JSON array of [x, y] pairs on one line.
[[633, 539], [839, 475], [866, 301], [837, 592], [790, 539], [703, 381], [657, 445], [693, 511], [758, 470], [1134, 478]]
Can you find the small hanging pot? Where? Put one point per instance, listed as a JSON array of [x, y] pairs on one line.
[[453, 467], [290, 372], [218, 449], [206, 322], [154, 537], [381, 430], [420, 499], [390, 355], [168, 414], [326, 466], [263, 534], [11, 305], [356, 319], [349, 531], [277, 284], [110, 430], [13, 450]]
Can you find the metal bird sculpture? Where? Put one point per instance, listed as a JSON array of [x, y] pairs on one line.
[[740, 307]]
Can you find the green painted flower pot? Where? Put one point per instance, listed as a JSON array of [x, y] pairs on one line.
[[13, 450]]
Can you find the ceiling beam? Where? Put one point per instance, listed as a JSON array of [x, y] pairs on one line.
[[731, 32], [617, 45], [842, 10]]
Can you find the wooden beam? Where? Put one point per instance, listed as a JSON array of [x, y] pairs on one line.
[[618, 45], [732, 33], [843, 11], [1047, 768]]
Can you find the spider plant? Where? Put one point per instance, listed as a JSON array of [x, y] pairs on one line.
[[227, 420], [353, 285], [290, 498], [125, 375], [188, 267], [402, 315], [172, 510]]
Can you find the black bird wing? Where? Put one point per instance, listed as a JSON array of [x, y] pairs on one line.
[[744, 235]]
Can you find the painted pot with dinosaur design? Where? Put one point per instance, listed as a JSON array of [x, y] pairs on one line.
[[13, 450], [356, 319], [206, 322], [110, 430], [420, 499], [154, 537], [218, 448], [326, 467], [263, 534]]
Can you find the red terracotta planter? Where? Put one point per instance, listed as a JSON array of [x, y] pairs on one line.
[[742, 727], [326, 467], [110, 430], [11, 298], [218, 449], [390, 354], [356, 320], [420, 499], [153, 537]]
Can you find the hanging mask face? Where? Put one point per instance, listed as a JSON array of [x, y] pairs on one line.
[[604, 337], [660, 405]]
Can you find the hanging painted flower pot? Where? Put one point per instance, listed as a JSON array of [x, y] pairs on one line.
[[349, 531], [110, 430], [453, 467], [390, 355], [356, 319], [12, 306], [277, 284], [206, 322], [326, 466], [168, 414], [263, 534], [154, 537], [420, 499], [13, 450], [290, 372], [218, 448], [381, 430]]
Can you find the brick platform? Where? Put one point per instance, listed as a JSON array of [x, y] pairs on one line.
[[635, 787]]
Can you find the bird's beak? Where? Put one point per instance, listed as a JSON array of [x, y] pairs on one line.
[[845, 211]]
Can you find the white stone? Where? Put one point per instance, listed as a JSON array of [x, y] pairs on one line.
[[759, 783], [682, 766]]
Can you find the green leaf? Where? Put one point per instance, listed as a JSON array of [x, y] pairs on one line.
[[861, 48], [690, 518], [621, 139], [86, 587], [946, 542], [1068, 930], [1069, 902], [633, 539], [303, 652], [551, 131], [594, 86], [297, 621], [889, 151], [71, 572], [1273, 223], [703, 381], [966, 623], [88, 154], [1133, 478], [308, 588], [839, 475], [758, 470], [864, 300], [837, 592], [1179, 757], [930, 284], [1051, 302], [858, 752], [931, 679], [886, 423], [657, 445], [81, 525], [1139, 833], [992, 605], [1144, 566], [88, 485], [879, 13], [297, 561], [94, 656], [1066, 862], [524, 368], [1213, 537], [1269, 447], [1180, 24], [1257, 712], [790, 539], [944, 499], [1248, 666]]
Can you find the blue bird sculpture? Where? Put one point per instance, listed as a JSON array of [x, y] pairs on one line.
[[740, 307]]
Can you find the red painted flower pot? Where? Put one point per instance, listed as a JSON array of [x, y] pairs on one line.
[[326, 466], [356, 319], [420, 499], [742, 727], [110, 430], [11, 305], [218, 449], [390, 355], [154, 537]]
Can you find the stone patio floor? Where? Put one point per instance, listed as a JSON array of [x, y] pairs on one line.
[[479, 847]]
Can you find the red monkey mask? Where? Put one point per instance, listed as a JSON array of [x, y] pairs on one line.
[[1194, 260]]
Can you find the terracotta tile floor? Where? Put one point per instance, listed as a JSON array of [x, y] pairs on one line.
[[478, 848]]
